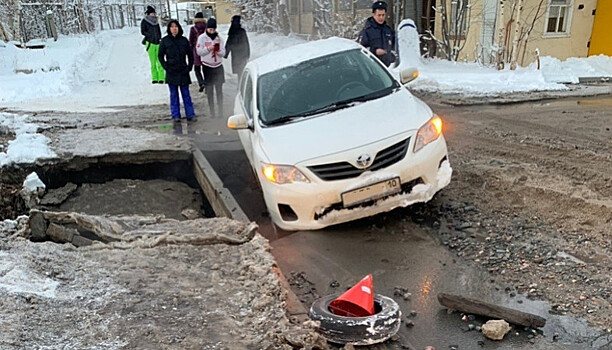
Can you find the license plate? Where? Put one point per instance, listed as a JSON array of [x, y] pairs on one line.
[[371, 192]]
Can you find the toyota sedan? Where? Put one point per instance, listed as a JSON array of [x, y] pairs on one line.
[[333, 135]]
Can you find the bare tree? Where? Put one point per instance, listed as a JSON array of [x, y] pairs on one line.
[[455, 27]]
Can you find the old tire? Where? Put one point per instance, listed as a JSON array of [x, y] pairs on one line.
[[357, 330]]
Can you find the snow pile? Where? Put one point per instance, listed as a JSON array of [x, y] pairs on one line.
[[570, 70], [27, 145], [437, 75]]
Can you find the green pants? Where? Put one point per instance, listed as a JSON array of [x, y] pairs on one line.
[[157, 71]]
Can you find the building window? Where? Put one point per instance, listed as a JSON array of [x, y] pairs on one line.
[[558, 16], [458, 17]]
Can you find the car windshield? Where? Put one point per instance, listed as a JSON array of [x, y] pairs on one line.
[[321, 85]]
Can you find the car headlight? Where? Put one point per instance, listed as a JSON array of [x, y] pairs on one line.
[[283, 174], [428, 133]]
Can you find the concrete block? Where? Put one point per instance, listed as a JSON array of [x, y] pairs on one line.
[[60, 234], [38, 226]]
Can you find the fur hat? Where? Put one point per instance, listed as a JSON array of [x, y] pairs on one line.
[[379, 5], [199, 15], [212, 23], [150, 10]]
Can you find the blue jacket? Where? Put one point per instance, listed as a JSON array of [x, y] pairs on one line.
[[378, 36]]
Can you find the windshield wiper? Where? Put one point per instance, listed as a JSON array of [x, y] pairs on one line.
[[325, 109], [373, 95]]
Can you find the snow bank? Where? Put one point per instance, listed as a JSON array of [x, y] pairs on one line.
[[436, 75], [28, 146], [570, 70]]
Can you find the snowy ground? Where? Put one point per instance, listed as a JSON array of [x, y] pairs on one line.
[[87, 72], [110, 69]]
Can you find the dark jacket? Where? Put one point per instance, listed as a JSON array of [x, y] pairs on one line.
[[149, 27], [176, 56], [378, 36], [238, 45], [198, 28]]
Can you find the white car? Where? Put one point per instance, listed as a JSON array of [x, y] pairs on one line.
[[333, 136]]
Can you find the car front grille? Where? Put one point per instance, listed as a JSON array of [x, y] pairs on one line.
[[345, 170]]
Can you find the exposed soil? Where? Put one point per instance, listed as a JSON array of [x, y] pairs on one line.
[[531, 200]]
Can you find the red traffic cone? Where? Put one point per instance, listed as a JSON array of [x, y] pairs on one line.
[[357, 301]]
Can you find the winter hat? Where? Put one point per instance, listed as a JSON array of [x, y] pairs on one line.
[[149, 10], [199, 15], [212, 23], [236, 19], [379, 5]]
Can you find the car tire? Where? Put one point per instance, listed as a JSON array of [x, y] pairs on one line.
[[357, 330]]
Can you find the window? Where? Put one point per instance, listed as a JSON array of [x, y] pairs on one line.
[[458, 17], [303, 89], [558, 16]]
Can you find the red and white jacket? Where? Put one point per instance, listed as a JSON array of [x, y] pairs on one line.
[[208, 55]]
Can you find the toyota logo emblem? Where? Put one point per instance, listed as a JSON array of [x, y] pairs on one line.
[[363, 161]]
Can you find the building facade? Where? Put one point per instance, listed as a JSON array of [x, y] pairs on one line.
[[557, 28]]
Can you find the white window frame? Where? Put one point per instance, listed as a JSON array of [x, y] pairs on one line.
[[568, 20], [454, 11]]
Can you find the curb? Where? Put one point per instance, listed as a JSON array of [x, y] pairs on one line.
[[519, 97], [224, 204]]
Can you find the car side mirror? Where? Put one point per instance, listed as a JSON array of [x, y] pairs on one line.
[[407, 75], [237, 122]]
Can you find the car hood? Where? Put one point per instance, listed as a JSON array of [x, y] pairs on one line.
[[345, 129]]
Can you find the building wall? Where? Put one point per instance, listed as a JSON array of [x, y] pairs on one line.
[[225, 11], [562, 46], [601, 40]]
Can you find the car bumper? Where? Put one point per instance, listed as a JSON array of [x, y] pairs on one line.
[[319, 204]]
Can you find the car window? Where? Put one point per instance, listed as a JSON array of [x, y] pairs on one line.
[[320, 82], [248, 98]]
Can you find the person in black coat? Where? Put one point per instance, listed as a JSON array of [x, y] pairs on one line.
[[149, 27], [377, 35], [238, 45], [176, 56]]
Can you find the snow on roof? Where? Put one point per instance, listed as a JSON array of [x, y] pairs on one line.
[[299, 53]]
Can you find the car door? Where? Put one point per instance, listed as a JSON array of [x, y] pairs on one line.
[[246, 107]]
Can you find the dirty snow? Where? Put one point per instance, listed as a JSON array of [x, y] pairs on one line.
[[28, 145], [174, 294]]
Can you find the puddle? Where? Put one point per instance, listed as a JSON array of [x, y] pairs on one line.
[[566, 330]]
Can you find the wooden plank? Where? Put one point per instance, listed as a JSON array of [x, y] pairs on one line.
[[477, 307]]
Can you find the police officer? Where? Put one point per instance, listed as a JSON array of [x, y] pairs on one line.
[[377, 35]]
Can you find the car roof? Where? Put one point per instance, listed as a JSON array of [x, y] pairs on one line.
[[293, 55]]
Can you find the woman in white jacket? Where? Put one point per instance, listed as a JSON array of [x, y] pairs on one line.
[[211, 50]]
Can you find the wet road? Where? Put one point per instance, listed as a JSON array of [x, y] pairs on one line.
[[400, 251]]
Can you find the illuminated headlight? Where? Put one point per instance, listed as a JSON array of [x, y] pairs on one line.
[[283, 174], [428, 133]]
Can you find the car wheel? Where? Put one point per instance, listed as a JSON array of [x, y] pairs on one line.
[[357, 330]]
